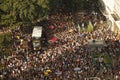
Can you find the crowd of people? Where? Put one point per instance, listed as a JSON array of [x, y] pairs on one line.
[[69, 58]]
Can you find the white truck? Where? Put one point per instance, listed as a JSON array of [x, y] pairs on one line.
[[36, 37]]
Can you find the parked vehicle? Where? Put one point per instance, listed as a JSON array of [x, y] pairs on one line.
[[36, 37]]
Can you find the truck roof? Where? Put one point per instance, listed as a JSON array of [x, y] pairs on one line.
[[37, 32], [95, 43]]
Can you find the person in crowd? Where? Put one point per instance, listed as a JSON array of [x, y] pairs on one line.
[[68, 58]]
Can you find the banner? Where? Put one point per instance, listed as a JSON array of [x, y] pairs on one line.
[[78, 27]]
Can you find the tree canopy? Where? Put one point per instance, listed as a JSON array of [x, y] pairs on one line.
[[31, 11], [20, 11]]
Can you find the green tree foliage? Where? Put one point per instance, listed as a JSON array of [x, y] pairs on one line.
[[30, 11], [1, 39], [65, 5], [5, 39], [71, 5], [5, 43], [20, 11]]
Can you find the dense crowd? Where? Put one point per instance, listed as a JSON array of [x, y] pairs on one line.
[[69, 58]]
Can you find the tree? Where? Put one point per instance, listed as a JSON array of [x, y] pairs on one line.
[[23, 12]]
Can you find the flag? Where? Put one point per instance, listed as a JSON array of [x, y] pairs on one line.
[[54, 39], [90, 27], [46, 73], [78, 27], [71, 30], [51, 27]]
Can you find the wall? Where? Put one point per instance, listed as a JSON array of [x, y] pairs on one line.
[[117, 7], [109, 5]]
